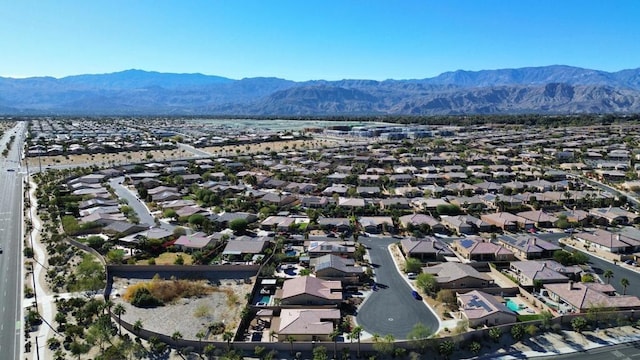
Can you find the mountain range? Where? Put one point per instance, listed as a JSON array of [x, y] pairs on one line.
[[556, 89]]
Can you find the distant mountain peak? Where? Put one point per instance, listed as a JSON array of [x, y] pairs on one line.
[[546, 89]]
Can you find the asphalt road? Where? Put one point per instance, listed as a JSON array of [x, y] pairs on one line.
[[391, 309], [11, 222], [138, 206]]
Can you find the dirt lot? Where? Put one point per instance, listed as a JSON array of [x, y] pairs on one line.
[[189, 316], [114, 159]]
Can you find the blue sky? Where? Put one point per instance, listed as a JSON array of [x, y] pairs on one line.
[[308, 39]]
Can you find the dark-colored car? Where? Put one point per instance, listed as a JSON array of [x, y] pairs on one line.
[[416, 295]]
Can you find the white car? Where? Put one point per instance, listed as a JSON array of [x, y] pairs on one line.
[[411, 276]]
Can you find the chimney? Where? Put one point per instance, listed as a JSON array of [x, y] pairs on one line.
[[570, 285], [533, 241]]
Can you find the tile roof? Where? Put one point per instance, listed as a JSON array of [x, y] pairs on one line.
[[307, 321], [477, 305], [309, 285]]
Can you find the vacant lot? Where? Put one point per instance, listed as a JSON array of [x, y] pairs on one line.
[[189, 316]]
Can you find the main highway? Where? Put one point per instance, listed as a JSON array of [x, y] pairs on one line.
[[11, 222]]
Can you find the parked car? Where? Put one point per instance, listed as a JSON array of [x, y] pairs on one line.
[[411, 276], [416, 295]]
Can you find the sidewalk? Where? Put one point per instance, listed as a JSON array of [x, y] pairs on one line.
[[45, 298], [550, 343]]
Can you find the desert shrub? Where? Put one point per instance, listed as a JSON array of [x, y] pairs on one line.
[[201, 311], [169, 290], [216, 328], [143, 298]]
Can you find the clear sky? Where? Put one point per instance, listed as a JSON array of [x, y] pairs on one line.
[[309, 39]]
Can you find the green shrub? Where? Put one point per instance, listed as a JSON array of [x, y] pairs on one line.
[[143, 298]]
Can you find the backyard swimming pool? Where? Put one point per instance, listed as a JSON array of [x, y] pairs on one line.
[[513, 306], [263, 300], [290, 253]]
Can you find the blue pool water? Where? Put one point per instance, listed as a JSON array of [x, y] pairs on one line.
[[263, 300], [512, 305], [290, 253]]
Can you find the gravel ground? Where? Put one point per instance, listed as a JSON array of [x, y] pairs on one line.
[[189, 316]]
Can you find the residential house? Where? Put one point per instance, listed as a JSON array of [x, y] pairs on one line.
[[196, 241], [103, 219], [454, 275], [528, 246], [332, 267], [482, 251], [335, 224], [579, 217], [539, 218], [123, 228], [277, 223], [225, 218], [280, 200], [465, 224], [189, 210], [583, 296], [376, 224], [313, 202], [309, 290], [416, 220], [395, 203], [531, 272], [482, 309], [608, 241], [240, 247], [90, 203], [507, 221], [368, 191], [307, 324], [149, 234], [426, 250], [317, 248], [614, 215]]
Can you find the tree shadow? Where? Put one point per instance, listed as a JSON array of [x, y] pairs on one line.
[[596, 340], [574, 345]]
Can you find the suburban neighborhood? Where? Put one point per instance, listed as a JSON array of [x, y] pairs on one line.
[[369, 238]]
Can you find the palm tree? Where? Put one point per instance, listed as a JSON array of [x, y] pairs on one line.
[[608, 274], [119, 310], [357, 332], [209, 350], [107, 305], [291, 339], [334, 337], [624, 282], [200, 335], [137, 326], [228, 336]]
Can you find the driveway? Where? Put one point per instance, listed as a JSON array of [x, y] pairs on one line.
[[391, 309]]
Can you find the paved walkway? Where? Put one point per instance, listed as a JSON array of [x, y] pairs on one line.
[[45, 297], [550, 344]]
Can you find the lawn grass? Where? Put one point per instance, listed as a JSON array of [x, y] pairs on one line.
[[523, 318], [169, 258]]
